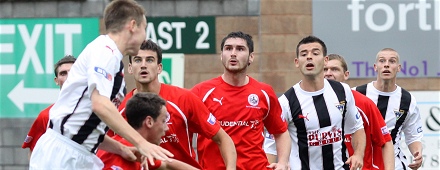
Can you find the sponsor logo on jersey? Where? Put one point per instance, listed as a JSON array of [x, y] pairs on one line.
[[101, 71], [114, 167], [358, 116], [419, 129], [340, 106], [317, 138], [118, 99], [218, 100], [385, 130], [253, 124], [347, 138], [253, 99], [301, 116], [28, 139], [169, 138], [398, 113], [211, 119]]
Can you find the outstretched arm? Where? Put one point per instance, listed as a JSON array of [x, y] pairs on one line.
[[227, 148]]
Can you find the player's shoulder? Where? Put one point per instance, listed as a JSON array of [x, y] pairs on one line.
[[175, 90], [259, 85], [204, 86]]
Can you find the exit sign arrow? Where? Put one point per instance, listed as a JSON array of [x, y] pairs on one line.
[[20, 95]]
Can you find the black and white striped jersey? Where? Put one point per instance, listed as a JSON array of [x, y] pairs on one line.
[[401, 114], [98, 67], [315, 123]]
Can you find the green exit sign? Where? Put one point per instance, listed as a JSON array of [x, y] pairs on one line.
[[28, 50]]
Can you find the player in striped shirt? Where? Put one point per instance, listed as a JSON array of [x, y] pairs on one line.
[[379, 152], [397, 106], [84, 109], [319, 113]]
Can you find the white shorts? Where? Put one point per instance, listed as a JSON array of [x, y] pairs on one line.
[[55, 151]]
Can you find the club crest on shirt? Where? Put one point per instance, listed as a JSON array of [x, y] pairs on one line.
[[101, 71], [398, 113], [253, 99], [341, 106]]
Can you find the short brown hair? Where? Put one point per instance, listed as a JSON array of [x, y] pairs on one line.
[[339, 58], [66, 59], [118, 12]]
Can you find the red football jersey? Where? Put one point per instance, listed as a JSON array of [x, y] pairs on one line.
[[188, 115], [38, 128], [243, 112], [376, 132], [113, 161]]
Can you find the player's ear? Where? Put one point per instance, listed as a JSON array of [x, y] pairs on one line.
[[149, 121]]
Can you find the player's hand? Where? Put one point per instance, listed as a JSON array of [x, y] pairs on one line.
[[144, 163], [128, 153], [151, 152], [278, 166], [355, 162], [417, 161]]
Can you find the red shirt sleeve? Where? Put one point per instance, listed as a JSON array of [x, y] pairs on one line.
[[379, 131], [274, 122], [38, 128], [202, 121]]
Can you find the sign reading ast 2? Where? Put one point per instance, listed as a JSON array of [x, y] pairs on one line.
[[28, 50], [192, 35]]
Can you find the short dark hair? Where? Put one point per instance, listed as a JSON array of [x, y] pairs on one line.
[[141, 105], [311, 39], [239, 34], [340, 59], [66, 59], [118, 12], [150, 45]]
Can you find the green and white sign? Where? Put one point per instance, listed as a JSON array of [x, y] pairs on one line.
[[28, 50], [189, 35], [173, 69]]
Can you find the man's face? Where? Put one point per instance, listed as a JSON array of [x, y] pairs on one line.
[[138, 35], [235, 55], [62, 72], [387, 65], [334, 71], [311, 59], [159, 127], [144, 67]]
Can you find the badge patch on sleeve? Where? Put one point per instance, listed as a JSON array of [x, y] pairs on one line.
[[384, 130], [101, 71], [211, 119]]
